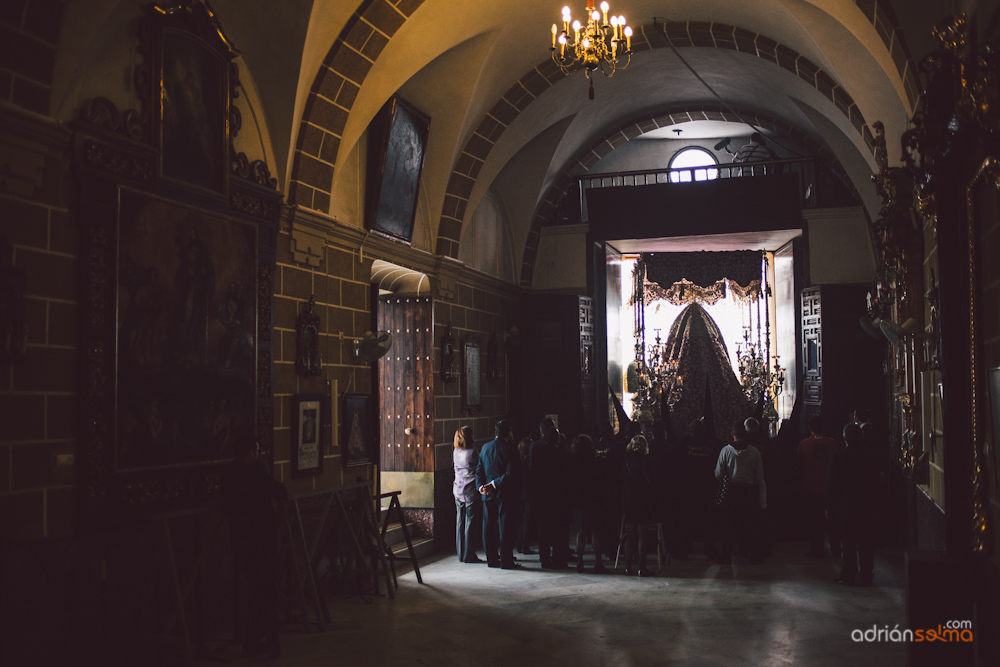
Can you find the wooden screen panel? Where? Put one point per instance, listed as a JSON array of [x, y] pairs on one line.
[[406, 391]]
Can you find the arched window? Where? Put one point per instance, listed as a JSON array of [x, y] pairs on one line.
[[697, 160]]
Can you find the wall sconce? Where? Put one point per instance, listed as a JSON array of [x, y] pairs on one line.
[[449, 368]]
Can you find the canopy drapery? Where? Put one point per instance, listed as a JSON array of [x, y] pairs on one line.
[[690, 277]]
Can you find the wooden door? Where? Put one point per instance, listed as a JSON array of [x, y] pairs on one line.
[[406, 385]]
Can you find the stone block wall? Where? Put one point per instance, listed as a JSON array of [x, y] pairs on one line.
[[38, 388], [311, 263], [477, 305], [29, 30]]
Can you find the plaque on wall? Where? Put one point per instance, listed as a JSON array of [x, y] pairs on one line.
[[472, 399]]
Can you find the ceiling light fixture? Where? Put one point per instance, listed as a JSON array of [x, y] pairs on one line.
[[603, 43]]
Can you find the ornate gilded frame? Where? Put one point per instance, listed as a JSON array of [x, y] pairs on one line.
[[987, 175], [121, 152]]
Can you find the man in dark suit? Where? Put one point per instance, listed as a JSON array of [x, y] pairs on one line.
[[498, 480]]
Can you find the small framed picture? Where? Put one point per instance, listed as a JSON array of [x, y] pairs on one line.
[[307, 434], [355, 442]]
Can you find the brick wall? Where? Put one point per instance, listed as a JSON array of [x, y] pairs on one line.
[[478, 306], [29, 30], [477, 310], [311, 263], [334, 263], [38, 394]]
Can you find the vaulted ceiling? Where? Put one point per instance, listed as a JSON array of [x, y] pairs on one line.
[[317, 72]]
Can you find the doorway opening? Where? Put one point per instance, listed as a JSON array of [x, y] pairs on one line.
[[768, 322], [405, 386]]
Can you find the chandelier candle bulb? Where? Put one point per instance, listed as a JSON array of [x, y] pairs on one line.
[[554, 31]]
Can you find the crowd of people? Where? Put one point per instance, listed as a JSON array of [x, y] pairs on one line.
[[631, 492]]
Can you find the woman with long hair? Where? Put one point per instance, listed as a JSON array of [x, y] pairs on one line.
[[468, 508]]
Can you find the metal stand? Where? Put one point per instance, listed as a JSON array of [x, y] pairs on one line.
[[662, 555]]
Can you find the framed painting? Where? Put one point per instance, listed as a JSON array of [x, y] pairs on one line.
[[186, 324], [355, 441], [396, 146], [308, 421], [176, 278], [194, 102], [472, 398]]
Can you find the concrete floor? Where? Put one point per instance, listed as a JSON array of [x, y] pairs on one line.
[[787, 611]]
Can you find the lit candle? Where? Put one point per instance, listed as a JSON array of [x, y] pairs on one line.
[[604, 9], [628, 39], [554, 31]]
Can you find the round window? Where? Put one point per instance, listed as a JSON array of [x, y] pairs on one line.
[[693, 164]]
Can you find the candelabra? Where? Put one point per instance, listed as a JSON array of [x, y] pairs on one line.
[[757, 377], [659, 381]]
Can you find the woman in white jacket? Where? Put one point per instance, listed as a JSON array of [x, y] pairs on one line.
[[746, 498]]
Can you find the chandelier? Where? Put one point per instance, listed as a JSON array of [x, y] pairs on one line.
[[604, 43]]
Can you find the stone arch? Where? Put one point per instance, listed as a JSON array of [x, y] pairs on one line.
[[679, 34], [374, 23], [606, 143], [333, 93]]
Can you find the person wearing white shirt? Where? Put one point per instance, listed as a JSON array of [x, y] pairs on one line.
[[747, 494]]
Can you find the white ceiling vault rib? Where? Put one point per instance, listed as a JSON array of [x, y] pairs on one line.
[[399, 280]]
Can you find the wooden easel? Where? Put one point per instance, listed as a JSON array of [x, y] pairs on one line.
[[390, 556]]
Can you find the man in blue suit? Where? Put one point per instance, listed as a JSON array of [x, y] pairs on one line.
[[497, 477]]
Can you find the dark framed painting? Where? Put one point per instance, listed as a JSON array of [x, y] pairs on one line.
[[186, 324], [472, 398], [308, 421], [194, 106], [397, 141], [355, 442]]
